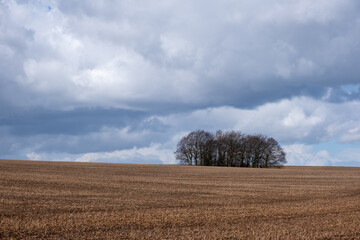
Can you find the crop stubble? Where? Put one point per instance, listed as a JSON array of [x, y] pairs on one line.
[[53, 200]]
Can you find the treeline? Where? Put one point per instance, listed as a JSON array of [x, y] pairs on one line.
[[232, 149]]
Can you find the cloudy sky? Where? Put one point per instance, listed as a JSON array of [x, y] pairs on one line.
[[124, 80]]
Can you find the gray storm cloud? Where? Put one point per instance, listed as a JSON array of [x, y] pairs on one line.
[[143, 73], [127, 54]]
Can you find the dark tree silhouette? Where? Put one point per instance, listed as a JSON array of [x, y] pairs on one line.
[[229, 146], [275, 155], [197, 148], [232, 149]]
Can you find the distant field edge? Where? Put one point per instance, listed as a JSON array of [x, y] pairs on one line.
[[148, 164]]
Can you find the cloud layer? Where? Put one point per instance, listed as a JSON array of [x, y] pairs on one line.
[[89, 79]]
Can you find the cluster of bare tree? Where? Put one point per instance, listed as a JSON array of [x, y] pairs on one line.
[[232, 149]]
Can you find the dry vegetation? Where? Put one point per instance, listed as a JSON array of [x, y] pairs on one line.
[[49, 200]]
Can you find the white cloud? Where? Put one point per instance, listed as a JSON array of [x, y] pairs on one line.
[[34, 156], [307, 155], [351, 135], [298, 119], [177, 52], [304, 155], [152, 153]]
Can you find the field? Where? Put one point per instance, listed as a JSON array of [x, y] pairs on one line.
[[52, 200]]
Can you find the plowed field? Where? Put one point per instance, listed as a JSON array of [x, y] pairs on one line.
[[53, 200]]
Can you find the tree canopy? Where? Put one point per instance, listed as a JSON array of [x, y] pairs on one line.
[[232, 149]]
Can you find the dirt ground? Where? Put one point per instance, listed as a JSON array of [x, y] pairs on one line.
[[63, 200]]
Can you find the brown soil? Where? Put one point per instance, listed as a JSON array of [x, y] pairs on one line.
[[53, 200]]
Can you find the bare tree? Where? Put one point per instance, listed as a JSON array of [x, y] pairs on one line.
[[184, 153], [275, 155], [232, 149], [221, 149], [197, 148], [229, 147]]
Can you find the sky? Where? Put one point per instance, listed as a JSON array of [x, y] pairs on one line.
[[123, 80]]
